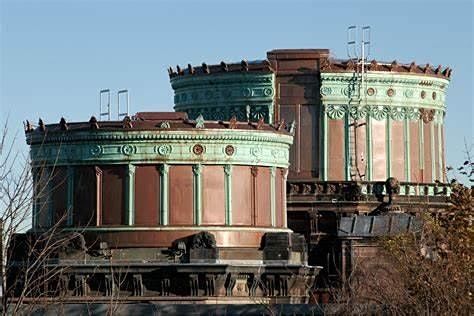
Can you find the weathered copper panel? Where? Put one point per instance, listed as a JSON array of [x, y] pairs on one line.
[[398, 151], [181, 195], [436, 176], [147, 195], [85, 196], [262, 197], [124, 239], [336, 150], [379, 152], [113, 187], [279, 197], [59, 194], [241, 196], [427, 151], [213, 195], [415, 171]]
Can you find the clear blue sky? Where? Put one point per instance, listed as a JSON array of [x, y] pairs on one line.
[[56, 55]]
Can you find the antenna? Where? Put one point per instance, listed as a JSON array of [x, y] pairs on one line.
[[102, 113], [351, 42], [127, 109]]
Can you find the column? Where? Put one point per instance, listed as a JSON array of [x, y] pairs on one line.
[[440, 151], [422, 150], [272, 195], [98, 182], [228, 193], [130, 195], [284, 173], [70, 195], [164, 195], [197, 170], [433, 160]]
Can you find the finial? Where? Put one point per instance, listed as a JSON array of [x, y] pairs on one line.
[[127, 122], [190, 69], [224, 66], [28, 126], [179, 70], [413, 67], [200, 121], [427, 68], [245, 65], [93, 123], [438, 70], [260, 122], [233, 122], [292, 127], [62, 124], [41, 125], [281, 125], [205, 68]]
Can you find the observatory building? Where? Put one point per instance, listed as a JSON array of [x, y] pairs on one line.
[[268, 171]]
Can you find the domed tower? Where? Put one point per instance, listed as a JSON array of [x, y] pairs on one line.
[[174, 208]]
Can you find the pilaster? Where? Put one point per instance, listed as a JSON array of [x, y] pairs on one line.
[[272, 195], [164, 194], [130, 194], [228, 193], [406, 137], [197, 182]]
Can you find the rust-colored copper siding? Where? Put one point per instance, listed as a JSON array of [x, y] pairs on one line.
[[113, 206], [213, 196], [398, 151], [279, 197], [336, 150], [305, 150], [379, 150], [262, 197], [59, 195], [416, 174], [242, 213], [85, 196], [147, 195], [181, 195], [427, 152]]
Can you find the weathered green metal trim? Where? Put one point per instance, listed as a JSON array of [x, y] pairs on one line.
[[70, 195], [387, 89], [164, 194], [272, 195], [228, 193], [388, 142], [440, 152], [324, 144], [369, 148], [250, 148], [197, 183], [347, 149], [220, 96], [406, 137], [433, 160], [130, 195]]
